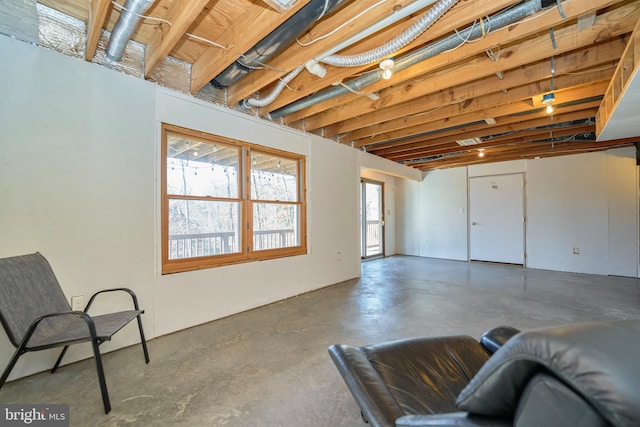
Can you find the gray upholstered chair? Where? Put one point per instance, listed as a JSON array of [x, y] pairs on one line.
[[36, 315]]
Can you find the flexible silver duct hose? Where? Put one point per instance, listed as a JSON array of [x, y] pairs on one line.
[[126, 25], [499, 20], [395, 44], [254, 102]]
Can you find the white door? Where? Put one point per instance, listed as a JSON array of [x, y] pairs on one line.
[[497, 220]]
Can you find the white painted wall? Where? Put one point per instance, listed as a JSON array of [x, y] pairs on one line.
[[387, 172], [623, 213], [588, 201], [79, 182], [408, 225], [434, 215], [567, 207]]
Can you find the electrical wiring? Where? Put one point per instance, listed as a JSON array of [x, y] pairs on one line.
[[263, 66], [153, 18], [202, 39], [467, 40], [351, 90], [326, 6], [121, 7], [341, 26]]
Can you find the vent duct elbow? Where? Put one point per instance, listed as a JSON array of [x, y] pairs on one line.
[[254, 102], [125, 26], [278, 40], [495, 22]]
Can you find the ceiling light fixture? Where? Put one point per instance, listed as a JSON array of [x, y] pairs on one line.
[[481, 153], [548, 100], [386, 66]]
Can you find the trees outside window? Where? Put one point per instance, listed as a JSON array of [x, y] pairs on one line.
[[226, 201]]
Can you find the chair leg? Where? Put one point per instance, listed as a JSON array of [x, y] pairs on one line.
[[55, 367], [142, 340], [19, 352], [101, 379]]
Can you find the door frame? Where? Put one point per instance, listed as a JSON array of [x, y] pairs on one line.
[[363, 225]]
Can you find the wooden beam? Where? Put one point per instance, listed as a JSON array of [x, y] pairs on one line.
[[608, 25], [379, 121], [240, 36], [628, 66], [97, 14], [498, 105], [509, 125], [534, 90], [297, 54], [458, 16], [181, 14], [443, 129], [521, 151], [492, 41], [520, 137]]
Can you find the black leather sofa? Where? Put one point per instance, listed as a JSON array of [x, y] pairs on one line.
[[578, 375]]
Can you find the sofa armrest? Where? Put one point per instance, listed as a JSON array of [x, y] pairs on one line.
[[458, 419], [365, 384], [495, 338]]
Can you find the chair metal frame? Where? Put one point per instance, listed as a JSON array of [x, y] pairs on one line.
[[22, 346]]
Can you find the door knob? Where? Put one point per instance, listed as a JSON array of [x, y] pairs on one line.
[[474, 223]]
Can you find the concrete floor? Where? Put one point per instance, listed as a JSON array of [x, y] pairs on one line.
[[270, 367]]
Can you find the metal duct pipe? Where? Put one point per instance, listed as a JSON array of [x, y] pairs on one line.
[[125, 26], [312, 65], [395, 44], [277, 40], [496, 21]]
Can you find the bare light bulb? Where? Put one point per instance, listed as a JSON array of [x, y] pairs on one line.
[[386, 66], [549, 109]]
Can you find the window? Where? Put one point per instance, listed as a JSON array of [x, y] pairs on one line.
[[225, 201]]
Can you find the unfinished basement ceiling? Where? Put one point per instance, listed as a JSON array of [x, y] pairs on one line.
[[461, 89]]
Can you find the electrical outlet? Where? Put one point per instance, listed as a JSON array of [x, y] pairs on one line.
[[338, 256], [77, 303]]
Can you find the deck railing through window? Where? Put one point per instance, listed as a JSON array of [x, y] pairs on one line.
[[207, 244], [202, 244], [273, 239], [374, 243]]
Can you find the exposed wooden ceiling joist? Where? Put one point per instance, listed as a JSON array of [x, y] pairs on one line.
[[422, 110]]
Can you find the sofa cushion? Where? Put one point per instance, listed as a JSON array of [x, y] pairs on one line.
[[425, 375], [597, 360]]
